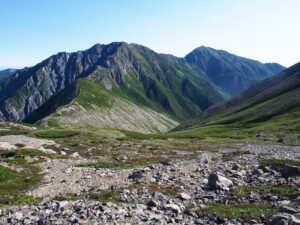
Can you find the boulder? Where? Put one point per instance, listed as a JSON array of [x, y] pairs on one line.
[[280, 219], [286, 209], [75, 155], [295, 220], [136, 175], [173, 208], [290, 171], [152, 203], [218, 181], [184, 196]]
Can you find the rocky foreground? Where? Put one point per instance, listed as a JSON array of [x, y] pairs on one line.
[[214, 188]]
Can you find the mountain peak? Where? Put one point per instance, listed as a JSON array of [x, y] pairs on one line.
[[230, 72]]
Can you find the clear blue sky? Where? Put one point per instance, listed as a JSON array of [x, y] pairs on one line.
[[266, 30]]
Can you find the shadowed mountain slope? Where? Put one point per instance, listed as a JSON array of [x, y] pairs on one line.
[[232, 74], [271, 105]]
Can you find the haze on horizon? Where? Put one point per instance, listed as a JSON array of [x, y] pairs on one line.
[[263, 30]]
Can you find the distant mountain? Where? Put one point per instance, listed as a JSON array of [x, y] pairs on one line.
[[125, 86], [272, 105], [117, 85], [7, 73], [231, 73]]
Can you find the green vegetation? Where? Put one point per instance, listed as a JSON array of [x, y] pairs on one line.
[[264, 190], [13, 184], [245, 212], [271, 107], [220, 131], [17, 155], [91, 93], [55, 133], [279, 163], [107, 196], [110, 165], [231, 155], [4, 174], [12, 132], [69, 197], [166, 190], [19, 145]]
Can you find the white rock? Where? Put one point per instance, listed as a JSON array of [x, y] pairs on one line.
[[63, 153], [294, 220], [217, 181], [75, 155], [172, 207], [63, 203], [184, 196], [19, 215]]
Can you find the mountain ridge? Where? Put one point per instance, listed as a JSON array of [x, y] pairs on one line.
[[164, 83]]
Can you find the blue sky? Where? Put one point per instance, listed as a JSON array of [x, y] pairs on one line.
[[266, 30]]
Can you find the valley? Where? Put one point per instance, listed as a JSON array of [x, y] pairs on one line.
[[120, 134]]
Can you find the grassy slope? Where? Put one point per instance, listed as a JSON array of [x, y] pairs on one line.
[[272, 107], [98, 107]]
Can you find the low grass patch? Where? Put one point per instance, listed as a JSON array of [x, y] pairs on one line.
[[4, 174], [13, 184], [166, 190], [108, 196], [19, 145], [278, 190], [69, 197], [245, 212], [279, 163], [12, 132], [110, 165], [56, 133], [220, 131], [231, 155], [20, 153]]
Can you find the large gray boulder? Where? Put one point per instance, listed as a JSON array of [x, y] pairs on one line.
[[290, 171], [280, 219], [216, 181]]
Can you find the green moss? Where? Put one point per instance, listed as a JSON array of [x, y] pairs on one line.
[[245, 212]]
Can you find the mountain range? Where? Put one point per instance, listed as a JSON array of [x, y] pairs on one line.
[[126, 86]]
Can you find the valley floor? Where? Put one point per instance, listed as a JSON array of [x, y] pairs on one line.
[[119, 180]]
